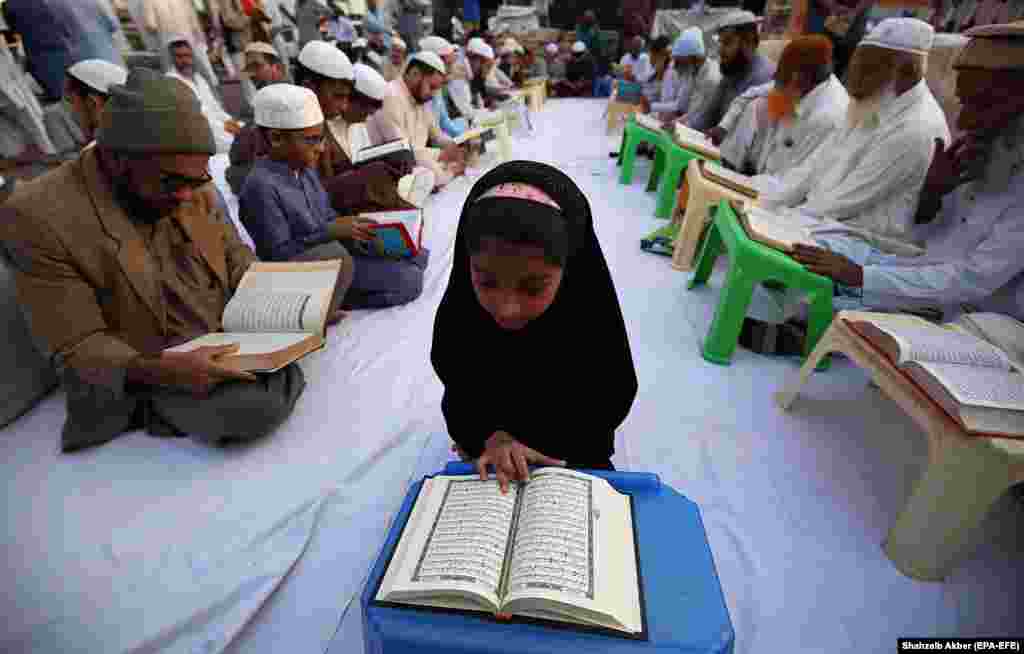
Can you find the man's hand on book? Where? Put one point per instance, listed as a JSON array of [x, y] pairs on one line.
[[198, 370], [717, 135], [511, 459], [351, 228], [829, 264]]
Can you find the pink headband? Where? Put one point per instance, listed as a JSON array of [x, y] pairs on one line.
[[520, 191]]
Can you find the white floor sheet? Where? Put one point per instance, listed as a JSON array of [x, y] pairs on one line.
[[163, 545]]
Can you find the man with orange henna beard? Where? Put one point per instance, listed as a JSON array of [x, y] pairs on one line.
[[800, 110]]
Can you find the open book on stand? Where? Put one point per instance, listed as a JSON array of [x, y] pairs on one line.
[[738, 182], [649, 121], [397, 233], [277, 315], [691, 139], [559, 548], [781, 231], [973, 380]]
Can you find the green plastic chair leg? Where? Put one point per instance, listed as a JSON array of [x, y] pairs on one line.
[[629, 145], [732, 308], [670, 185], [819, 317], [657, 170], [711, 248]]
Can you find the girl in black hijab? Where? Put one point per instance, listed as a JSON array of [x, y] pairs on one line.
[[529, 340]]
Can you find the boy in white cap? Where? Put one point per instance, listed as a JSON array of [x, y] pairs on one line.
[[869, 175], [393, 66], [579, 73], [289, 216], [392, 183], [407, 111], [86, 91]]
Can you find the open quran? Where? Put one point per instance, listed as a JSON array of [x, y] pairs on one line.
[[690, 139], [972, 379], [738, 182], [560, 547], [277, 315]]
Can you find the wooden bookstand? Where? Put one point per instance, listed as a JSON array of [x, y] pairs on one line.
[[964, 476]]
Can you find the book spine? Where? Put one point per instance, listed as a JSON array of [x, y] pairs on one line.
[[506, 567]]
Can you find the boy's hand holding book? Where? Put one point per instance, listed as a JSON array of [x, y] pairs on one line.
[[351, 228], [511, 459]]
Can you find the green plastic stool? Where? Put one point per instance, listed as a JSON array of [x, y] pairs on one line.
[[632, 137], [751, 263], [669, 168]]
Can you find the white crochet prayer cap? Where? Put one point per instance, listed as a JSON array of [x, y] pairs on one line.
[[359, 43], [579, 46], [739, 19], [902, 34], [369, 82], [286, 106], [437, 45], [259, 47], [431, 59], [98, 74], [326, 59]]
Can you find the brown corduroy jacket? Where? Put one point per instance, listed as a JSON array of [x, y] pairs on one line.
[[89, 286]]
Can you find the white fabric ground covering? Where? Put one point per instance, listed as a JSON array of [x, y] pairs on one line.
[[159, 545]]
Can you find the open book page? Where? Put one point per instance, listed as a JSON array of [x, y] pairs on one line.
[[282, 297], [935, 344], [254, 310], [454, 545], [779, 230], [573, 554], [986, 387], [729, 178], [648, 121], [368, 152]]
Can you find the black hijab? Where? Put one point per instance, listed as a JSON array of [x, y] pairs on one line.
[[565, 382]]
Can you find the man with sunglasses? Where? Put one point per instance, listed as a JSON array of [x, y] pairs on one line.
[[288, 213], [122, 253]]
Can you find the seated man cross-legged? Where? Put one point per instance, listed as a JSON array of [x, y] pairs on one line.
[[122, 253], [288, 213]]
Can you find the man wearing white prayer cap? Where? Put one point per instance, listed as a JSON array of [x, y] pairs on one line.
[[579, 73], [393, 66], [87, 89], [869, 175], [376, 185], [454, 69], [289, 215], [741, 66], [971, 213], [407, 112]]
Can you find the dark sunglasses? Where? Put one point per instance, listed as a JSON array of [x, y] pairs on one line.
[[173, 182]]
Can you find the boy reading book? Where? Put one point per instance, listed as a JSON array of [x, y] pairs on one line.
[[359, 175], [560, 547], [288, 213]]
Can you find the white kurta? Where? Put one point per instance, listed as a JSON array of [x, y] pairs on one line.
[[776, 148], [870, 176], [416, 122], [211, 108], [672, 86], [702, 90], [974, 246], [643, 69]]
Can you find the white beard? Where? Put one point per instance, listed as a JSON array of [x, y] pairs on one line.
[[860, 111]]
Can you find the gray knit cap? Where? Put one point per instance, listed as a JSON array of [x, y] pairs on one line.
[[151, 113]]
